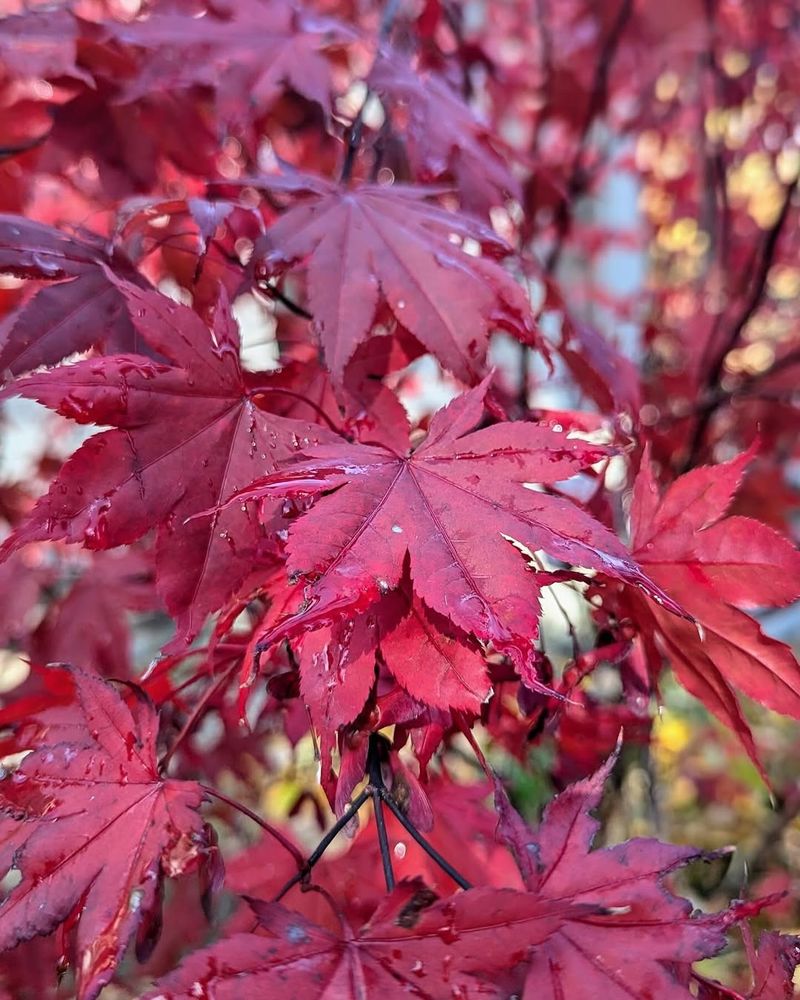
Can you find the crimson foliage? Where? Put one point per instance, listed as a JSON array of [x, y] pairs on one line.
[[360, 186]]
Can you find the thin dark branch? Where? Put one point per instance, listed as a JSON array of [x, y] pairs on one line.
[[378, 788], [23, 147], [356, 130], [195, 714], [423, 843], [265, 826], [546, 56], [266, 389], [383, 840], [354, 135], [387, 21], [325, 843], [597, 98], [752, 302], [279, 296]]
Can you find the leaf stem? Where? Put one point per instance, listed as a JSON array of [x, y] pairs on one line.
[[301, 398], [279, 296], [265, 826], [195, 714]]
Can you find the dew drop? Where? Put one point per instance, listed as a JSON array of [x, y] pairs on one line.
[[397, 529]]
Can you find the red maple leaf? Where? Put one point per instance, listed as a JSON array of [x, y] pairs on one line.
[[443, 134], [591, 923], [371, 244], [450, 506], [772, 967], [634, 947], [80, 308], [413, 944], [186, 436], [93, 830], [249, 51], [432, 660], [89, 624], [714, 565]]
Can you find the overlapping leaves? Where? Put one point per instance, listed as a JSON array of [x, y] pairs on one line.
[[186, 435], [714, 565], [93, 830], [452, 507]]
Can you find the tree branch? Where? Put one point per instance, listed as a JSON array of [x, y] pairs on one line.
[[324, 844], [751, 304], [599, 93], [377, 790]]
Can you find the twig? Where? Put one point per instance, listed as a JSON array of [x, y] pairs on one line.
[[753, 301], [356, 131], [23, 147], [377, 790], [279, 296], [324, 844], [198, 709], [576, 181], [758, 861], [265, 826], [429, 849], [546, 55]]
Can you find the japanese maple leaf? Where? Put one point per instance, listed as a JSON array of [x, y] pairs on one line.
[[93, 829], [633, 949], [443, 135], [772, 967], [185, 436], [433, 661], [371, 244], [463, 946], [249, 51], [713, 565], [41, 44], [450, 506], [79, 309], [89, 625], [20, 586]]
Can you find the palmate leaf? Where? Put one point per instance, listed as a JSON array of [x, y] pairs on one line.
[[185, 435], [433, 661], [412, 945], [80, 308], [443, 135], [591, 923], [643, 943], [450, 506], [374, 244], [715, 565], [249, 51], [93, 830], [772, 966]]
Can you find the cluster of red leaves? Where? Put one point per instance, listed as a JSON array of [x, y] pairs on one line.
[[356, 570]]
